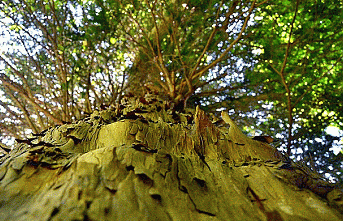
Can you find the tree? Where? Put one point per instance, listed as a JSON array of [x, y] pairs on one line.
[[185, 54], [145, 162]]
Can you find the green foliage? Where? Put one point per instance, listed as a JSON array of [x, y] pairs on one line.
[[309, 58]]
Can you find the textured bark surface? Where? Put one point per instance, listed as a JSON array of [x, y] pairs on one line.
[[143, 161]]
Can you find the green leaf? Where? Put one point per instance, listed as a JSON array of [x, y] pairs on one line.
[[113, 40]]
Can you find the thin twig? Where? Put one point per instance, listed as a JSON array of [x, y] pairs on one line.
[[314, 82], [221, 57], [282, 75], [207, 44]]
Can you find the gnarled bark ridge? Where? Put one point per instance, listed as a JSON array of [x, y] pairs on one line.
[[144, 161]]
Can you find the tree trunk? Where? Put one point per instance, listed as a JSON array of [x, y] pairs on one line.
[[144, 161]]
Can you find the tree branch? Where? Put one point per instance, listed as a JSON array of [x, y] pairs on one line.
[[10, 84], [165, 72], [288, 92], [221, 57], [207, 44], [23, 109]]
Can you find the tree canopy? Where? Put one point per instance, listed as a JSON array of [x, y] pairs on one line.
[[275, 64]]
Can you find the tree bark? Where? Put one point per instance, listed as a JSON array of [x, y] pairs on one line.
[[144, 161]]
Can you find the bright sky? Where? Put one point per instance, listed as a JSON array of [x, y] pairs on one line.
[[336, 132]]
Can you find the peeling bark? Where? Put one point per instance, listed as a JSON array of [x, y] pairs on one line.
[[143, 161]]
